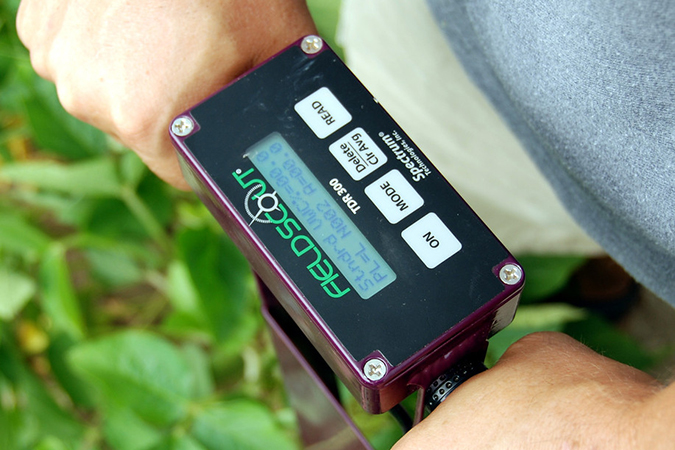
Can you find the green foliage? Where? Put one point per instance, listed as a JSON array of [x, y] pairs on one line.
[[127, 319], [325, 13], [239, 424], [138, 370], [52, 128], [18, 290], [603, 337], [547, 275]]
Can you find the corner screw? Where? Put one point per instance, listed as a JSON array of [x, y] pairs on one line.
[[182, 126], [375, 369], [311, 44], [510, 274]]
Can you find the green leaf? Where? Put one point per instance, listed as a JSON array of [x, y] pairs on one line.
[[155, 195], [326, 14], [546, 275], [547, 316], [11, 419], [13, 89], [181, 291], [145, 214], [381, 430], [178, 443], [59, 300], [131, 249], [20, 236], [608, 340], [52, 443], [125, 430], [185, 325], [111, 218], [138, 369], [114, 267], [17, 289], [132, 169], [91, 178], [220, 275], [198, 361], [242, 335], [56, 130], [37, 414], [240, 425], [80, 393], [13, 55], [67, 210]]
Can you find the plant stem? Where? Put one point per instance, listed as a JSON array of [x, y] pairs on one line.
[[143, 214]]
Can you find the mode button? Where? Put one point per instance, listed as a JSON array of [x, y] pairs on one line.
[[394, 196]]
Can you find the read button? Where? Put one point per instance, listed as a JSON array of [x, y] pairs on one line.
[[431, 240], [323, 112]]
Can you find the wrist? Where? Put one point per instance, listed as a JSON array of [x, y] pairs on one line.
[[653, 420]]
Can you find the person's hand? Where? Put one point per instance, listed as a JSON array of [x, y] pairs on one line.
[[128, 67], [550, 392]]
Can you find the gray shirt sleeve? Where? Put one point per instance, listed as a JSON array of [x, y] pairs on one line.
[[589, 88]]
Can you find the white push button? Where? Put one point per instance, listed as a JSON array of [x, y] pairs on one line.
[[431, 240], [323, 112], [358, 154], [394, 196]]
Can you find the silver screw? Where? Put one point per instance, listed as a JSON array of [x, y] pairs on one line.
[[182, 126], [510, 274], [311, 44], [375, 369]]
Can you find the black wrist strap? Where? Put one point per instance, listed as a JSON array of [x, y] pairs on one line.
[[449, 381]]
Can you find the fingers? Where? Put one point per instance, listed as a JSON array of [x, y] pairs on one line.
[[38, 22], [24, 26]]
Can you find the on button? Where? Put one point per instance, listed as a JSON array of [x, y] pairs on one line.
[[431, 240]]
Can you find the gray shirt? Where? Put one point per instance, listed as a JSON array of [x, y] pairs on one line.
[[589, 88]]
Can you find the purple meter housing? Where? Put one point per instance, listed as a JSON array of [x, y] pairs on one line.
[[364, 244]]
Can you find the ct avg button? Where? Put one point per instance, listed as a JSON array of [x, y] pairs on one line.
[[431, 240]]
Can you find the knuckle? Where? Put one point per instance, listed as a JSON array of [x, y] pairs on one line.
[[38, 60], [130, 122], [135, 114], [68, 99], [22, 23]]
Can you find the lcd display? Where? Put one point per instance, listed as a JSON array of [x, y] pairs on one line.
[[321, 215]]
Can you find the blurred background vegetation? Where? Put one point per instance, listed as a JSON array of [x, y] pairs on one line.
[[128, 320]]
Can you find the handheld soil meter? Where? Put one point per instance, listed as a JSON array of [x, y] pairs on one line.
[[371, 252]]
